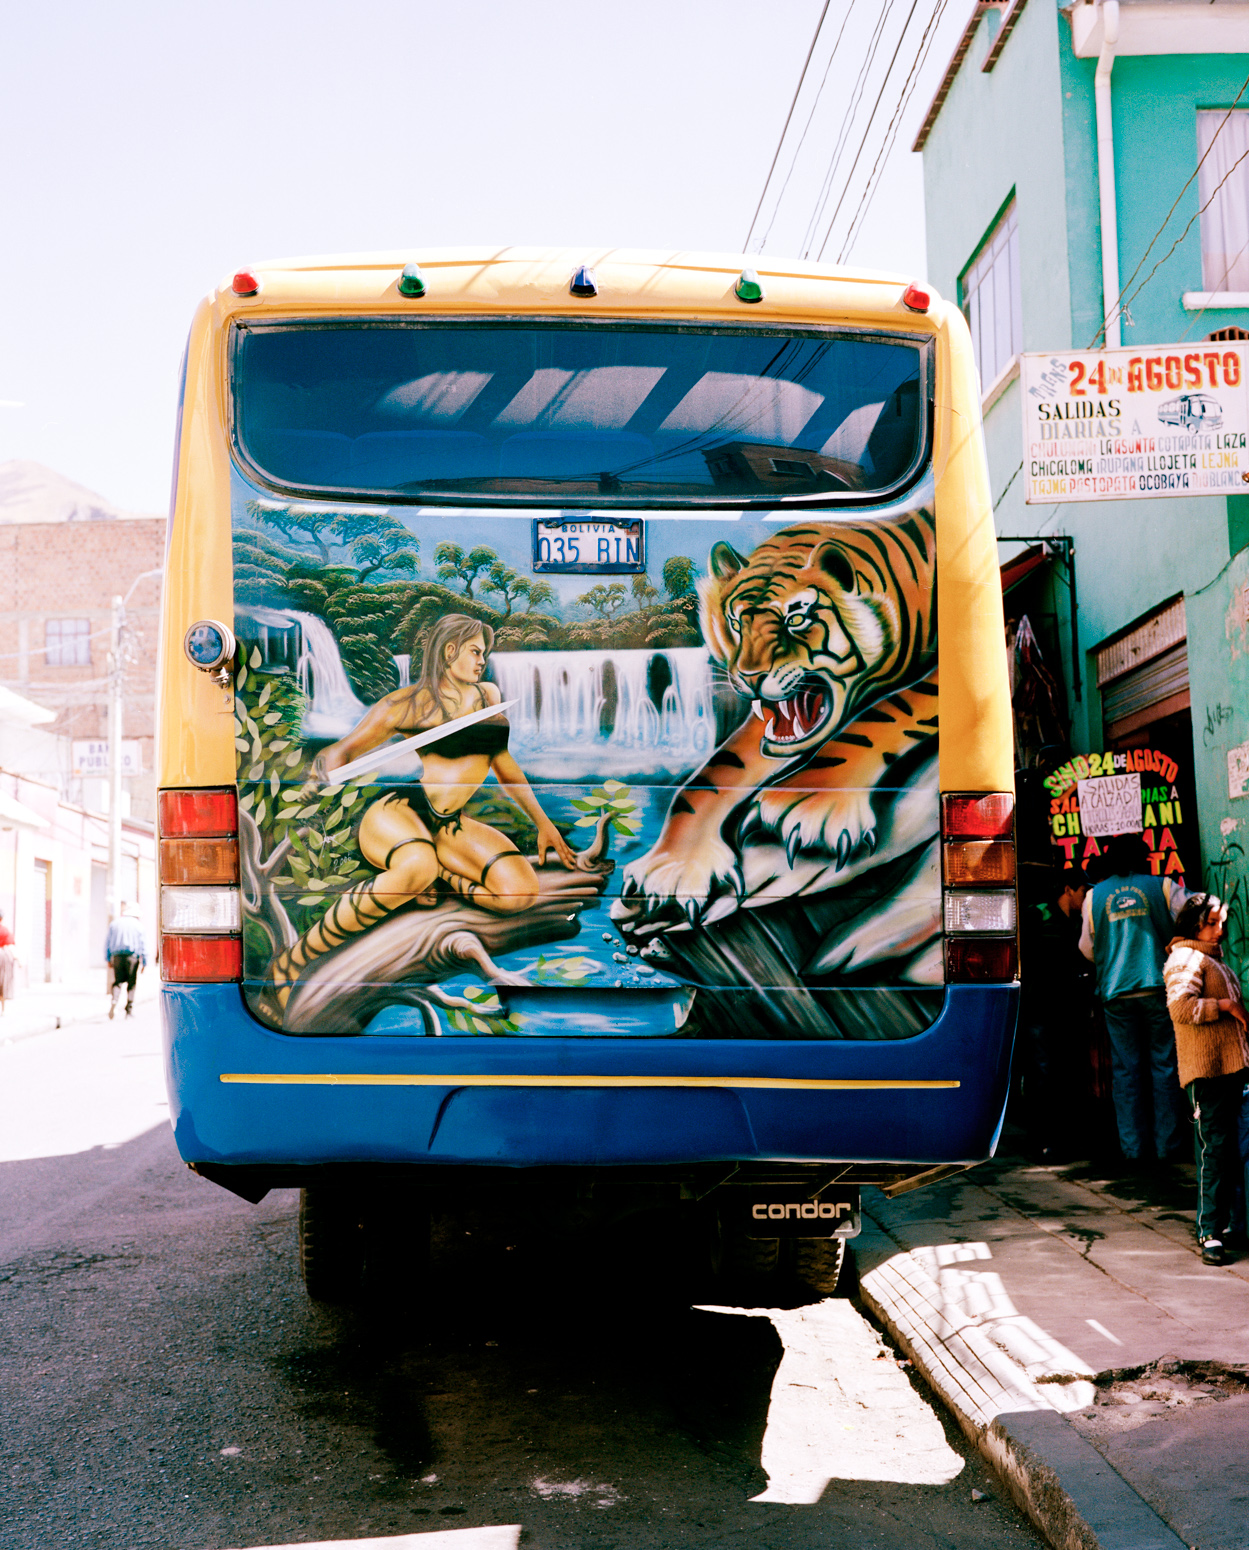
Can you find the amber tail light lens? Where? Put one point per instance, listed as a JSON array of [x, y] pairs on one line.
[[983, 863], [201, 909]]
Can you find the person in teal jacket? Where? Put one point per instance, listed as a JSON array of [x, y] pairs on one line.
[[1128, 921]]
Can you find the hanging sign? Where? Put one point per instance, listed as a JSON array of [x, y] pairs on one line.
[[1136, 424], [1097, 795]]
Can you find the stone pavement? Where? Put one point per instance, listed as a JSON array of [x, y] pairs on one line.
[[42, 1008], [1065, 1316]]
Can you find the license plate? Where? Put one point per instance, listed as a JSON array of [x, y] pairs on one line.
[[789, 1213], [589, 546]]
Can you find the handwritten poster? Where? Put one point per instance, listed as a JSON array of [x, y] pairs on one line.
[[1133, 424], [1111, 805], [1097, 795]]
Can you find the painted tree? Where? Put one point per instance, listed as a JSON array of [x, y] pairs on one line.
[[644, 594], [301, 524], [539, 594], [604, 600], [678, 575], [454, 564], [378, 542], [503, 579]]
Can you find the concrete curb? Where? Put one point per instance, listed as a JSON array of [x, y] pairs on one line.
[[1007, 1385]]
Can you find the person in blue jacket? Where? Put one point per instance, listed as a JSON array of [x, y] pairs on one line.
[[126, 954], [1128, 921]]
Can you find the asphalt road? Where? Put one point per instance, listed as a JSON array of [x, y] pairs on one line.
[[164, 1381]]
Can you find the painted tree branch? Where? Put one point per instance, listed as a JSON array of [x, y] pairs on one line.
[[401, 960]]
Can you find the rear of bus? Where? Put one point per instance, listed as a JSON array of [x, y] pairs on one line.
[[585, 738]]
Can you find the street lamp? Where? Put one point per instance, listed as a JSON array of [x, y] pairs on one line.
[[115, 677]]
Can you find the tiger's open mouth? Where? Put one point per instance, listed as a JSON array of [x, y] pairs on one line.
[[794, 720]]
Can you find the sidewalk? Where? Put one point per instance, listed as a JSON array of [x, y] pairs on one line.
[[1067, 1320], [41, 1008]]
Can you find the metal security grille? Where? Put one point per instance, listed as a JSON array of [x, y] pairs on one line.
[[1143, 675]]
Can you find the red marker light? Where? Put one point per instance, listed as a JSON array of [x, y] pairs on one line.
[[916, 299], [245, 283]]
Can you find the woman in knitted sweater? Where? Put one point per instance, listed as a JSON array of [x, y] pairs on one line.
[[1208, 1011]]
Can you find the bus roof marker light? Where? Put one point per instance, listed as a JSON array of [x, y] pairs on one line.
[[748, 287], [916, 299], [412, 281], [245, 283], [583, 282]]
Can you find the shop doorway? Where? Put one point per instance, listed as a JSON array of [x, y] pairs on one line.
[[41, 924]]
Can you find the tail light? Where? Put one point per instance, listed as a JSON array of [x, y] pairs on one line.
[[201, 917], [978, 868]]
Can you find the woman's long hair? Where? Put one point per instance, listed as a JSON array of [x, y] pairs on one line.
[[451, 630]]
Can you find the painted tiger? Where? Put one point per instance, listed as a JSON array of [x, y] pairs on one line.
[[830, 631]]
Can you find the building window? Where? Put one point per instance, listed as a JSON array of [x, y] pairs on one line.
[[989, 289], [1228, 335], [67, 643], [1224, 185]]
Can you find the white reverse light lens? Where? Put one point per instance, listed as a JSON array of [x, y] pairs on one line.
[[968, 911], [184, 910]]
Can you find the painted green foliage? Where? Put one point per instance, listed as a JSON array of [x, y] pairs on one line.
[[276, 789], [615, 799], [377, 606]]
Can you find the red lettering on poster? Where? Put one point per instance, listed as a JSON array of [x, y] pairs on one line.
[[1192, 370], [1175, 371], [1231, 368]]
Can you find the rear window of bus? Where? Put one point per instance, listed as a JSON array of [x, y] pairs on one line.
[[601, 414]]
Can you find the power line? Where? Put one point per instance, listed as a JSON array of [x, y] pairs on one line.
[[852, 108], [1186, 230], [785, 130], [780, 198], [1118, 306], [867, 131], [891, 132]]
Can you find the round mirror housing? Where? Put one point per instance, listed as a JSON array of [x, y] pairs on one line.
[[210, 645]]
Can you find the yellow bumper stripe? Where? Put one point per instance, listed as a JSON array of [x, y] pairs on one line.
[[477, 1079]]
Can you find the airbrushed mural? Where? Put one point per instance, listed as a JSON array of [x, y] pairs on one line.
[[699, 801]]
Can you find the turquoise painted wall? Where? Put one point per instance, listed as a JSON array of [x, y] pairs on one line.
[[1029, 124], [1218, 617]]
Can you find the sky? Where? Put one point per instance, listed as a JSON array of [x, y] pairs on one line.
[[153, 149]]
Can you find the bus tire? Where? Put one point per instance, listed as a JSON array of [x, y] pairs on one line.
[[752, 1258], [818, 1263], [331, 1244]]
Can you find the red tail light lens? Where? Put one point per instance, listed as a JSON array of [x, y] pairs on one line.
[[980, 960], [197, 814], [201, 959], [978, 815]]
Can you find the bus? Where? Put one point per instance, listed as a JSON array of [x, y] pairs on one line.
[[585, 745]]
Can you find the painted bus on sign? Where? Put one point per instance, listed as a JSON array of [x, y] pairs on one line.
[[586, 750]]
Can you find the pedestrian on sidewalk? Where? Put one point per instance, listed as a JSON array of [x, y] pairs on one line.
[[126, 953], [8, 964], [1128, 918], [1054, 1005], [1208, 1010]]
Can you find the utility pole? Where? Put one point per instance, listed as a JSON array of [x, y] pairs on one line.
[[115, 678]]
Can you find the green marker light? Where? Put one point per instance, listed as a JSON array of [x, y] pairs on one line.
[[412, 281], [748, 287]]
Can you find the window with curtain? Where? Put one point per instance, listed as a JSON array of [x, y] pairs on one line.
[[990, 294], [1223, 193]]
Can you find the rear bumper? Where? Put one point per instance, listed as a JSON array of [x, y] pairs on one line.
[[242, 1095]]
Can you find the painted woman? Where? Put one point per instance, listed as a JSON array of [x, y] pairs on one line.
[[417, 834]]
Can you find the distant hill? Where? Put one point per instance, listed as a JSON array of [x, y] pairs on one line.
[[29, 492]]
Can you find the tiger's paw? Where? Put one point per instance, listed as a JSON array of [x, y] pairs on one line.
[[839, 823], [682, 886]]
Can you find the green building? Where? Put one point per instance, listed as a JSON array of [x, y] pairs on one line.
[[1064, 211]]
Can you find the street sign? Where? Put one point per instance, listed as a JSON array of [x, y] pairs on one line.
[[91, 758], [1136, 424]]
